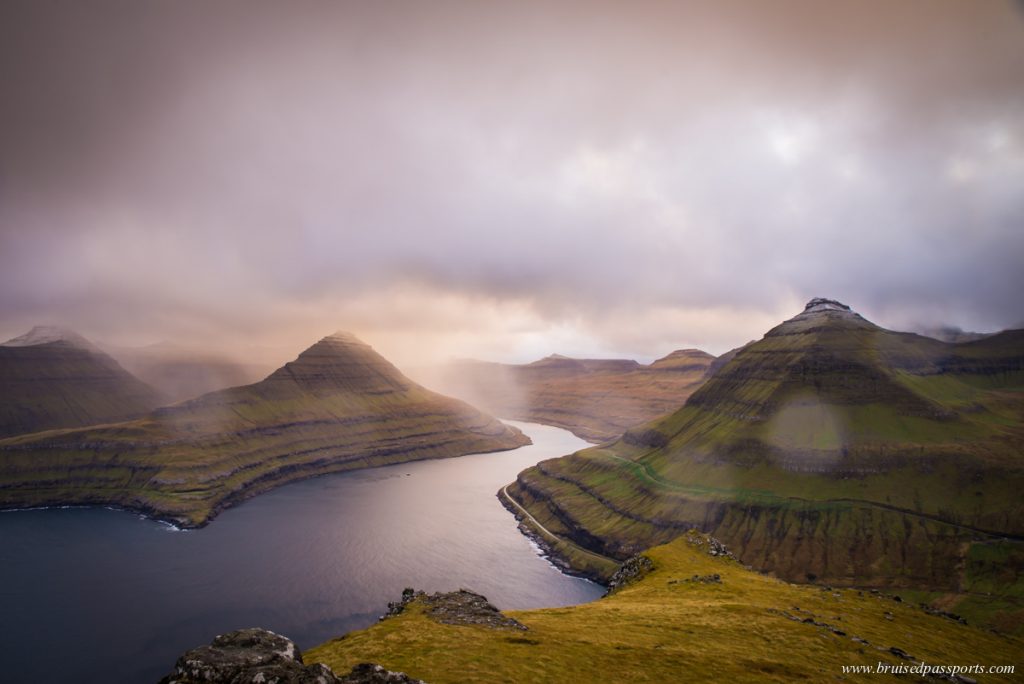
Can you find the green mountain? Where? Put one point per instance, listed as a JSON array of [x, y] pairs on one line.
[[338, 406], [830, 450], [596, 399], [53, 378], [690, 613]]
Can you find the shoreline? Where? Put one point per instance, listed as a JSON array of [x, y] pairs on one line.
[[549, 551]]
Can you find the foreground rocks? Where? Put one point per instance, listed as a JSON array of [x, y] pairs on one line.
[[258, 656], [460, 607]]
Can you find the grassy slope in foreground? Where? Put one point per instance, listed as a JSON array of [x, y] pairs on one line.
[[338, 406], [667, 627], [52, 378], [596, 399], [832, 449]]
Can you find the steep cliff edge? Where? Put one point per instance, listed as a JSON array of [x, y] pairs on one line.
[[338, 406]]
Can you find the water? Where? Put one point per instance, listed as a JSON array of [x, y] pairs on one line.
[[94, 595]]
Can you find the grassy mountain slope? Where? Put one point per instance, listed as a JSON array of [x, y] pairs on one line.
[[51, 378], [831, 449], [338, 406], [596, 399], [677, 623]]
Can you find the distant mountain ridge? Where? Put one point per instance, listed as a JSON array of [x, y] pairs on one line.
[[338, 406], [597, 399], [830, 449], [54, 378], [187, 371]]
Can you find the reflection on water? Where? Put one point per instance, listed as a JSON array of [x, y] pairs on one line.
[[118, 598]]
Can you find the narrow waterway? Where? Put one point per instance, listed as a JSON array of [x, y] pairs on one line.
[[94, 595]]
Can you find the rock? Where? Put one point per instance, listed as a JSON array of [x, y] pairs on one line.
[[714, 547], [630, 571], [705, 579], [396, 607], [250, 656], [369, 673], [900, 653], [460, 607]]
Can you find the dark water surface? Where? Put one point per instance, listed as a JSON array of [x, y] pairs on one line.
[[93, 595]]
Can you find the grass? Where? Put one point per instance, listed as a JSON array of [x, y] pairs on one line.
[[841, 452], [664, 628], [330, 411]]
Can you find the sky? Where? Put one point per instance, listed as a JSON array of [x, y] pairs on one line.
[[507, 180]]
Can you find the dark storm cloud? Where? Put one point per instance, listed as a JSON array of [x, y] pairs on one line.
[[620, 171]]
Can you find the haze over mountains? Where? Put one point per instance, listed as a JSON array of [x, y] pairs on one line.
[[182, 372], [597, 399], [831, 449], [54, 378], [338, 406]]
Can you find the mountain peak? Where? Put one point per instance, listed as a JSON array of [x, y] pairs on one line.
[[824, 304], [47, 334], [343, 336], [341, 362]]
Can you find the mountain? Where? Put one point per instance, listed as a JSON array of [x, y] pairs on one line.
[[338, 406], [54, 378], [181, 372], [951, 333], [685, 611], [830, 450], [597, 399]]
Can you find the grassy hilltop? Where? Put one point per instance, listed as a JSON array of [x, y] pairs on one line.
[[338, 406], [693, 617], [831, 450]]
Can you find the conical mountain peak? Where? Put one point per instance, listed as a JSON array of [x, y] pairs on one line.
[[821, 313], [340, 362]]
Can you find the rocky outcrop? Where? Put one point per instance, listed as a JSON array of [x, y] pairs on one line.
[[259, 656], [632, 570], [248, 655], [460, 607]]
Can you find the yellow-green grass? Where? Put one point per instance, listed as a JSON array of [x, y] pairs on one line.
[[664, 628], [831, 450]]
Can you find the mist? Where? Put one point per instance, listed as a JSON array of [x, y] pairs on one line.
[[457, 179]]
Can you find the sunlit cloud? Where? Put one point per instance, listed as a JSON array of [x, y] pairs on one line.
[[507, 181]]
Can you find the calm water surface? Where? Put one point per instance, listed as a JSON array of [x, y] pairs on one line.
[[93, 595]]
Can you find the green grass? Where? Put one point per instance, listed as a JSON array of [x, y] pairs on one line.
[[842, 452], [663, 628]]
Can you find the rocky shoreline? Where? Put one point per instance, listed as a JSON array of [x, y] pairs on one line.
[[547, 550]]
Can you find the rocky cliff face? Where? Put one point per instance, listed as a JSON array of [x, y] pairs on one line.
[[338, 406], [830, 449], [53, 378], [597, 399]]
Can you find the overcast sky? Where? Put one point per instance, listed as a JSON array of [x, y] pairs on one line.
[[506, 180]]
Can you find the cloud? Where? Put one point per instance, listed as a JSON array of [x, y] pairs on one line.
[[603, 177]]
